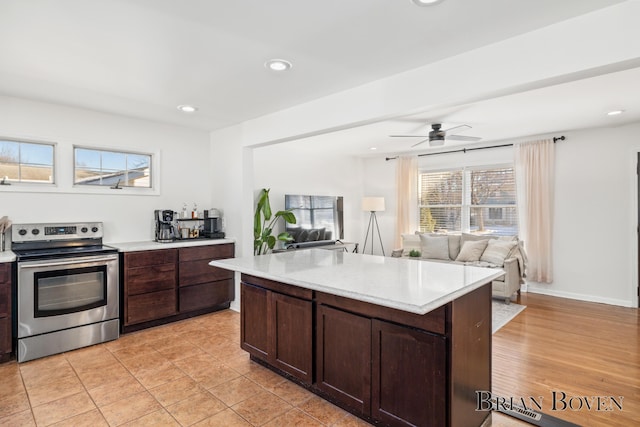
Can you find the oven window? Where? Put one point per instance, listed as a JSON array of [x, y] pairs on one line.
[[70, 290]]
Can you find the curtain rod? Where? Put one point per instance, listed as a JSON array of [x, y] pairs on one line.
[[464, 150]]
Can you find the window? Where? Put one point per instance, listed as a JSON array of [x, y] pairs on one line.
[[478, 200], [111, 168], [28, 162]]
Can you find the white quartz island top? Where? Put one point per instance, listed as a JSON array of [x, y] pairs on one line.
[[415, 286], [149, 245]]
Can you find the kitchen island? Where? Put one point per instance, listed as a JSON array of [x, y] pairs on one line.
[[394, 341]]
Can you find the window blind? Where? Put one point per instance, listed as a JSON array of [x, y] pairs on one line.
[[480, 200]]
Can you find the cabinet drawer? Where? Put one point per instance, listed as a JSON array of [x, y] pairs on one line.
[[150, 279], [5, 299], [434, 321], [151, 306], [194, 272], [208, 252], [205, 295], [147, 258]]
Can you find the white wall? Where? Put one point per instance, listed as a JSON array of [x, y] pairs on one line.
[[184, 168], [291, 168], [595, 240]]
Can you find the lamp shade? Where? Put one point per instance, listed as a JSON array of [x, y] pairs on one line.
[[373, 204]]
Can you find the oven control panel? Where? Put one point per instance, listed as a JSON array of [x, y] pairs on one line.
[[55, 231]]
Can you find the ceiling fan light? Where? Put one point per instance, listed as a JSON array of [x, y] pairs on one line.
[[436, 142]]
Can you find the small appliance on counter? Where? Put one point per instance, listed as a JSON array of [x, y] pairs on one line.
[[213, 224], [165, 227]]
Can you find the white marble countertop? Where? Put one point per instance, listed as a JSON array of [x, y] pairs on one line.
[[149, 245], [414, 286], [7, 256]]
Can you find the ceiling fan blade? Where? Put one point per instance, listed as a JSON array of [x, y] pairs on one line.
[[456, 129], [463, 138], [408, 136], [418, 143]]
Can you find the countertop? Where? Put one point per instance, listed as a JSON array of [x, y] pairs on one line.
[[149, 245], [7, 256], [409, 285]]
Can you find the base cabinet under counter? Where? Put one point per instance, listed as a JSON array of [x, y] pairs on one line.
[[201, 285], [164, 285], [277, 326], [389, 367]]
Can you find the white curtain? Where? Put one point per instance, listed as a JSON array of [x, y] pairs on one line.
[[535, 166], [407, 191]]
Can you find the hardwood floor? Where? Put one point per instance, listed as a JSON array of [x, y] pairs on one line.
[[576, 349]]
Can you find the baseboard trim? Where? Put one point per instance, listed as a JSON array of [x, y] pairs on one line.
[[580, 297]]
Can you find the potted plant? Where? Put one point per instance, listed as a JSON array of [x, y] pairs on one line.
[[263, 223]]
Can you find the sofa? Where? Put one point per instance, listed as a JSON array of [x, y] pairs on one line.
[[503, 252]]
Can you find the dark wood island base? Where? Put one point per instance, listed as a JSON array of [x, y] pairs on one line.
[[387, 366]]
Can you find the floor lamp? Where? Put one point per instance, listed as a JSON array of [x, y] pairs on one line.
[[373, 205]]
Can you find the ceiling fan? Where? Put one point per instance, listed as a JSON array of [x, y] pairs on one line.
[[437, 136]]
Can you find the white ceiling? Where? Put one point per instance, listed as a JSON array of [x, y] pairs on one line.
[[142, 58]]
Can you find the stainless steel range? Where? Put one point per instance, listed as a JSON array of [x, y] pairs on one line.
[[67, 288]]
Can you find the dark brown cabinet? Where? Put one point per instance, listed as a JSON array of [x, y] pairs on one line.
[[202, 286], [343, 357], [406, 360], [170, 284], [5, 312], [375, 368], [150, 279], [277, 325], [388, 366]]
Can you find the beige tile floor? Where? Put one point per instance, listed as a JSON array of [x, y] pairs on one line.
[[187, 373]]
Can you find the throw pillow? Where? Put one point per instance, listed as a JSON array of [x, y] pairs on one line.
[[454, 245], [302, 236], [472, 251], [468, 237], [497, 251], [410, 242], [314, 235], [435, 247]]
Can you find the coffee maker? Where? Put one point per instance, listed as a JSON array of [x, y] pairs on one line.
[[213, 224], [165, 231]]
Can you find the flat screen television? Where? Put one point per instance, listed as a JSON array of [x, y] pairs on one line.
[[319, 219]]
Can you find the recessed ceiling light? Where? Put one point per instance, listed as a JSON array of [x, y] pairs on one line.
[[615, 112], [425, 2], [278, 65], [373, 148], [187, 108]]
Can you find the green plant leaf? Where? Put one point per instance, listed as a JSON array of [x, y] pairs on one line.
[[287, 215], [264, 204], [285, 237], [263, 224]]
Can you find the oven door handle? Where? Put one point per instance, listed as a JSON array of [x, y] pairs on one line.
[[84, 260]]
